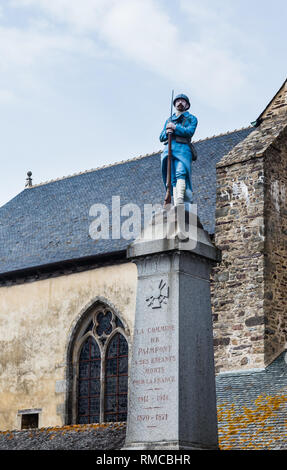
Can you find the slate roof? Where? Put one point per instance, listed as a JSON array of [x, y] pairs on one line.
[[49, 223], [252, 407]]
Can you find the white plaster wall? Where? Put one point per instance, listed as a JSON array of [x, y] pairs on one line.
[[36, 322]]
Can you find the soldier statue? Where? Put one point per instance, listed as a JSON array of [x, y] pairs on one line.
[[181, 125]]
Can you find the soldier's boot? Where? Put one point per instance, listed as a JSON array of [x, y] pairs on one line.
[[180, 191]]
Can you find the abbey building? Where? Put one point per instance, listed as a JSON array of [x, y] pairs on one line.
[[67, 300]]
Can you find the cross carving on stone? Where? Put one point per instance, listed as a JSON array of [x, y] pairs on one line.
[[160, 297]]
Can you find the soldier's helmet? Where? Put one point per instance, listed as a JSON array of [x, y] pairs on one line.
[[184, 97]]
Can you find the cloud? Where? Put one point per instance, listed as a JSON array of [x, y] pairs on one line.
[[145, 34], [84, 15], [24, 48], [215, 23], [6, 96], [206, 12], [26, 53]]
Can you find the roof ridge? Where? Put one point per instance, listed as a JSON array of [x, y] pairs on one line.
[[128, 160], [93, 169]]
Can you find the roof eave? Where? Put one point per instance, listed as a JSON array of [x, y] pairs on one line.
[[72, 265]]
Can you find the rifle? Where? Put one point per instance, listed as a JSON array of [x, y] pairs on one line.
[[167, 199]]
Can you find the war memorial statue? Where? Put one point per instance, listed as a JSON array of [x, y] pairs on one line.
[[176, 135], [172, 397]]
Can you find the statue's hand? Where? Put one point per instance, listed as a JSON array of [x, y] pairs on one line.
[[170, 128]]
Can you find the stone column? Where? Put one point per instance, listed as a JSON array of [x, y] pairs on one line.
[[172, 397]]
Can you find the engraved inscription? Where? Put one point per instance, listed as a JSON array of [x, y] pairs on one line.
[[155, 361]]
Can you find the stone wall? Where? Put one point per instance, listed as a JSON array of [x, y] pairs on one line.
[[37, 321], [277, 105], [238, 281], [275, 301], [248, 285]]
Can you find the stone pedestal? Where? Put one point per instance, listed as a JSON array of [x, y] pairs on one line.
[[172, 397]]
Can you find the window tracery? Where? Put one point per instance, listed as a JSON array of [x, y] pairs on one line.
[[101, 381]]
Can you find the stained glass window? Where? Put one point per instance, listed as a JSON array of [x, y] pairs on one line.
[[89, 382], [102, 372], [116, 379]]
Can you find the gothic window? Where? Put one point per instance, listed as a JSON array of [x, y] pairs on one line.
[[101, 379], [116, 379]]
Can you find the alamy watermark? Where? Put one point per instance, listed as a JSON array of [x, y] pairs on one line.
[[150, 222]]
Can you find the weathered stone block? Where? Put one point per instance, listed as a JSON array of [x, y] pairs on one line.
[[172, 402]]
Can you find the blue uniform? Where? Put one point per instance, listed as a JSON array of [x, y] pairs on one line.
[[181, 161]]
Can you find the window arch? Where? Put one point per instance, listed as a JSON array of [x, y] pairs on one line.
[[100, 368]]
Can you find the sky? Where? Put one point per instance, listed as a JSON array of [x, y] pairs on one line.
[[88, 83]]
